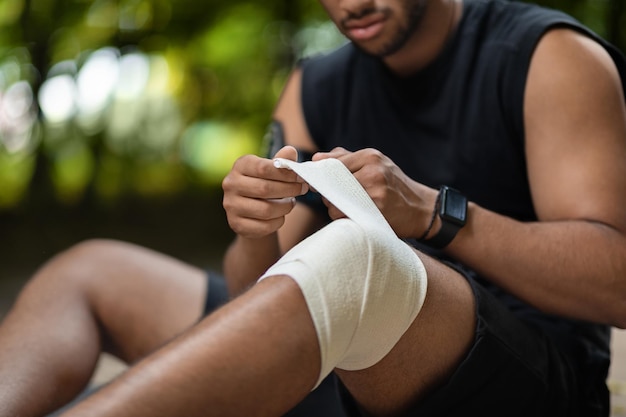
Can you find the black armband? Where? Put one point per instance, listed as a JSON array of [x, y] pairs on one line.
[[274, 138]]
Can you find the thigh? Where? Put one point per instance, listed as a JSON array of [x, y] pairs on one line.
[[510, 369], [141, 298], [427, 353]]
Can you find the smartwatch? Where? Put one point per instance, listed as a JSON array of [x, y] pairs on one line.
[[452, 210]]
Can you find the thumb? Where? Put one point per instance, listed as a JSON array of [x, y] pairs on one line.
[[287, 152]]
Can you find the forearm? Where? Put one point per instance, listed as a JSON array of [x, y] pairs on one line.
[[246, 259], [572, 268]]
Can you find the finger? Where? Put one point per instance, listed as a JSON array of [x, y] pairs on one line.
[[252, 228], [354, 161], [260, 188], [259, 209], [257, 167], [335, 153], [250, 217], [287, 152], [291, 153], [333, 212]]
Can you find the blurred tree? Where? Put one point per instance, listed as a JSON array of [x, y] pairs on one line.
[[118, 84], [94, 87], [119, 118], [105, 103]]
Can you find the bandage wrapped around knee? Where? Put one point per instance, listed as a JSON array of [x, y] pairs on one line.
[[363, 286], [363, 290]]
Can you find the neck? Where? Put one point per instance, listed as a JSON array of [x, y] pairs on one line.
[[440, 20]]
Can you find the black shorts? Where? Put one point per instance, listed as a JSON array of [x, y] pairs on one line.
[[217, 293], [513, 369]]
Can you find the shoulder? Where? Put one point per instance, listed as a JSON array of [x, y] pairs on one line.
[[573, 66], [503, 36], [569, 55], [574, 50], [513, 25], [511, 36], [575, 123]]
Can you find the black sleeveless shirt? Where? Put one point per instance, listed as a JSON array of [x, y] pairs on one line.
[[457, 122]]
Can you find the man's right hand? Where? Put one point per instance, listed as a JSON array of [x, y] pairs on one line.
[[258, 196]]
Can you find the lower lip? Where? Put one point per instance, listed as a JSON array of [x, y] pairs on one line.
[[365, 33]]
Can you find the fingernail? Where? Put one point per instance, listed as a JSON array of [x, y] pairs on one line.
[[278, 163]]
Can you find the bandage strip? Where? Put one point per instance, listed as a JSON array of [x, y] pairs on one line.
[[335, 182], [363, 286]]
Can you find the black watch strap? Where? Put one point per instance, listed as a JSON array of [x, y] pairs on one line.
[[452, 210]]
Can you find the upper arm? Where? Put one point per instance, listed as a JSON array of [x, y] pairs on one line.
[[289, 113], [302, 220], [575, 123]]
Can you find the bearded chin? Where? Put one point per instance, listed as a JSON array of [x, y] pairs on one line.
[[415, 12]]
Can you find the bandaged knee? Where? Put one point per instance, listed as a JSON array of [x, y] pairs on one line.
[[363, 286]]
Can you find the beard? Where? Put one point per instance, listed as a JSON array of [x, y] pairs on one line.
[[414, 11]]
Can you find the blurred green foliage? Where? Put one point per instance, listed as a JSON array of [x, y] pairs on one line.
[[105, 99]]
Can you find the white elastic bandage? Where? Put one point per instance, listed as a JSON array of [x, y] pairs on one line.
[[363, 286]]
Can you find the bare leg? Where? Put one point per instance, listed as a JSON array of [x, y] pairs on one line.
[[259, 355], [99, 294], [427, 353], [256, 356]]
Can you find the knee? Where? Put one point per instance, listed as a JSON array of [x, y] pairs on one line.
[[363, 289], [82, 265]]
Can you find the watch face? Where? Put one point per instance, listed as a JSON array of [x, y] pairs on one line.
[[454, 206]]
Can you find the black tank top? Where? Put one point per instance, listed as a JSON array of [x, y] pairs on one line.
[[457, 122]]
